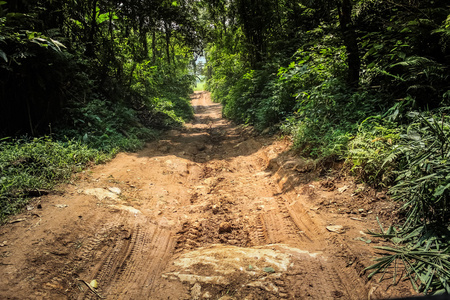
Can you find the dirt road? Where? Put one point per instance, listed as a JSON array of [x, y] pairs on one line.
[[209, 212]]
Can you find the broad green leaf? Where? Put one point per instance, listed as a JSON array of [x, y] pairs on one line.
[[3, 55], [57, 43], [16, 15], [269, 270], [102, 18], [440, 190]]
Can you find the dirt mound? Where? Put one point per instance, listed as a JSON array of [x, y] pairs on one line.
[[211, 211]]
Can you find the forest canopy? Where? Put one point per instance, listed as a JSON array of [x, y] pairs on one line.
[[67, 62]]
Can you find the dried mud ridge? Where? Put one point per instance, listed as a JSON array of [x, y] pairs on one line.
[[210, 212]]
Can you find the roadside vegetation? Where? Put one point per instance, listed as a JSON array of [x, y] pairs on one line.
[[366, 82], [82, 80], [31, 167]]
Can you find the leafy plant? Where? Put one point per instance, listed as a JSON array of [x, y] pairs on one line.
[[423, 185], [422, 254], [327, 117], [371, 153]]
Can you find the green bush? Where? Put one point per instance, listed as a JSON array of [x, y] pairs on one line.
[[371, 152], [105, 126], [423, 182], [326, 118]]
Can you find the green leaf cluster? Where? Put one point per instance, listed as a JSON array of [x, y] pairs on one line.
[[423, 182]]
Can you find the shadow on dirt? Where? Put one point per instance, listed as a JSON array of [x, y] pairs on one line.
[[208, 137]]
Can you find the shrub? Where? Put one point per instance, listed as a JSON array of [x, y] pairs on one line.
[[371, 152], [423, 182], [327, 116], [423, 185]]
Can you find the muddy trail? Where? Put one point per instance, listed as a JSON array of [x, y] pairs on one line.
[[211, 211]]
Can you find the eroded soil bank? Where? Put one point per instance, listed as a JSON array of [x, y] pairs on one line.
[[212, 211]]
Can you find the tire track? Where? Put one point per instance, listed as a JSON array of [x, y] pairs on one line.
[[258, 235], [114, 261], [211, 186], [130, 272], [90, 249]]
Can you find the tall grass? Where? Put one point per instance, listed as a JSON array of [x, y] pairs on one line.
[[31, 165]]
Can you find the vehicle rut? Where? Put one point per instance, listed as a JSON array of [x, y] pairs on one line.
[[203, 213]]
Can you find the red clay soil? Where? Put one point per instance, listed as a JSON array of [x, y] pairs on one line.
[[211, 211]]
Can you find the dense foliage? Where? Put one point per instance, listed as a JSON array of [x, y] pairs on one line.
[[67, 64], [94, 75], [366, 81]]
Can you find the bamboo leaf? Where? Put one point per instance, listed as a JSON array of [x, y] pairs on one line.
[[3, 55]]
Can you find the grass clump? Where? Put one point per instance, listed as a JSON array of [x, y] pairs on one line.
[[32, 165]]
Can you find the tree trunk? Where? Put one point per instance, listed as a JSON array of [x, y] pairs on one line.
[[153, 46], [350, 42], [144, 43], [90, 43], [167, 43]]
